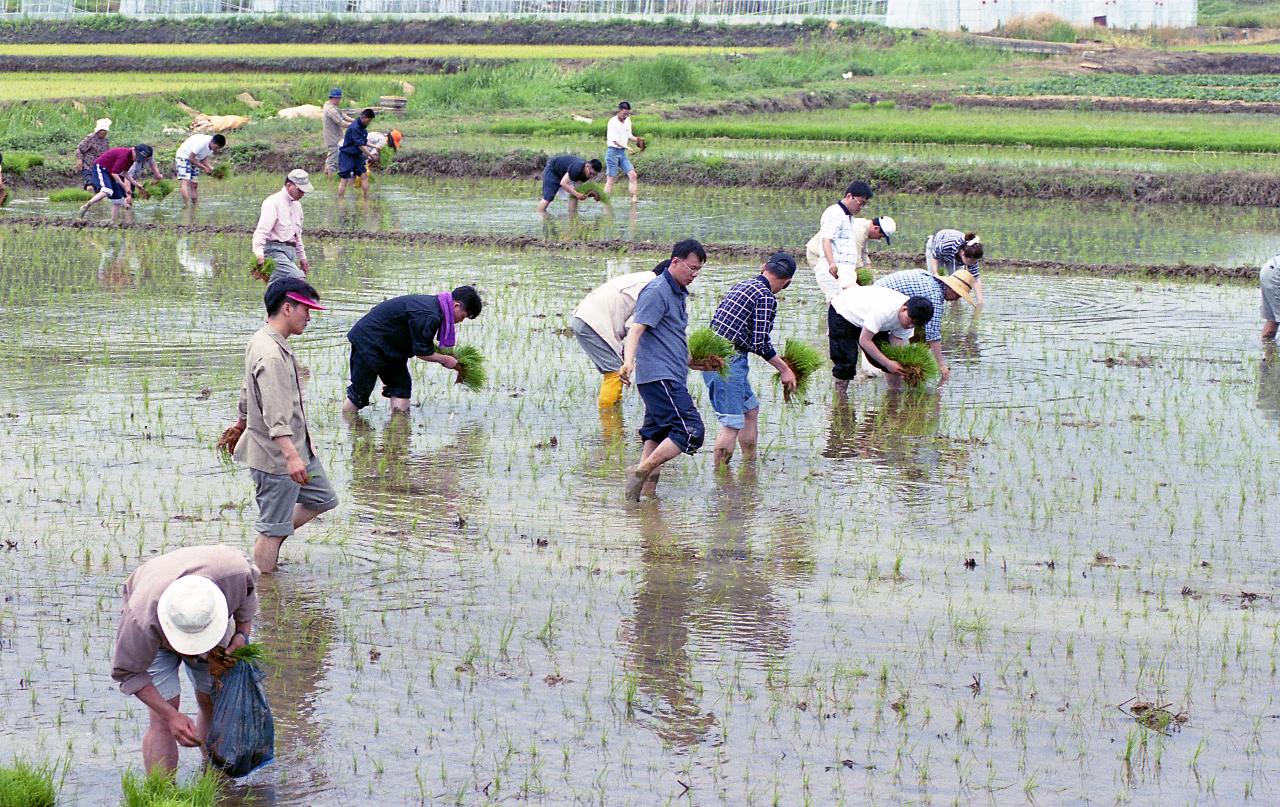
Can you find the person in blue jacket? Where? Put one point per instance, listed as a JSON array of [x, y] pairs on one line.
[[354, 152]]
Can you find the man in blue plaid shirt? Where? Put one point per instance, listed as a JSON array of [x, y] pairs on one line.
[[745, 317], [937, 290]]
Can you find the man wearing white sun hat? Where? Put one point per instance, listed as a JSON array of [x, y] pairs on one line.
[[176, 609]]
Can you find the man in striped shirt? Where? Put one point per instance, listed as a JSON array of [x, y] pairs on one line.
[[745, 317], [937, 290]]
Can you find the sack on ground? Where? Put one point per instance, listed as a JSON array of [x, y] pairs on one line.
[[242, 736]]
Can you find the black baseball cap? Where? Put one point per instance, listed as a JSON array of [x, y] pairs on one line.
[[782, 264], [858, 188]]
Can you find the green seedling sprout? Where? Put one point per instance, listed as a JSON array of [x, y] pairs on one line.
[[710, 350], [471, 366], [803, 359]]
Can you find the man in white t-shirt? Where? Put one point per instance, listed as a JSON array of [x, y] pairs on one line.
[[192, 158], [839, 247], [618, 139], [858, 314], [600, 324]]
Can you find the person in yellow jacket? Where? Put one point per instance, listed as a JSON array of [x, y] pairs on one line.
[[600, 323]]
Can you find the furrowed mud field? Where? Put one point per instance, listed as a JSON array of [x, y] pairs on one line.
[[484, 620]]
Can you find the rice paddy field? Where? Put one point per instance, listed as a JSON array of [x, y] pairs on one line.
[[1049, 581]]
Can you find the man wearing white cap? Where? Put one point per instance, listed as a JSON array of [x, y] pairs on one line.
[[176, 609], [90, 149], [279, 232]]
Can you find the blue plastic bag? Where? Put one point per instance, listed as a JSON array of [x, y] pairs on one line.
[[242, 737]]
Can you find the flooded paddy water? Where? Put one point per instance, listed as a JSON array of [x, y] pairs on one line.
[[936, 598], [1026, 229]]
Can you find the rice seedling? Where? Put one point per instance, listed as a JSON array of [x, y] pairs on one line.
[[472, 373], [804, 360], [70, 195], [252, 652], [709, 350], [23, 784], [18, 162], [221, 171], [865, 276], [262, 272], [594, 190], [919, 365], [160, 789], [159, 188]]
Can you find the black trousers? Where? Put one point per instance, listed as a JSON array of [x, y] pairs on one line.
[[842, 338]]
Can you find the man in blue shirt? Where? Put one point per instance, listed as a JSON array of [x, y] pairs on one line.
[[656, 357], [354, 152], [745, 317], [939, 291], [563, 173]]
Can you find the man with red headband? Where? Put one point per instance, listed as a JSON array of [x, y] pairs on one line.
[[291, 484]]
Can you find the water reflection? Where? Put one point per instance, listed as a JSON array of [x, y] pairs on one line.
[[1269, 381], [297, 631], [196, 264], [406, 487], [720, 595], [119, 265]]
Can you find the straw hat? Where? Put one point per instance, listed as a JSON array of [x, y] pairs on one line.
[[961, 282], [193, 614]]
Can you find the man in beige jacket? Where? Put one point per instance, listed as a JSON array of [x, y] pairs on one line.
[[292, 487]]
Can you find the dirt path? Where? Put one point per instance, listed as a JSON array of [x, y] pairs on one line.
[[895, 259]]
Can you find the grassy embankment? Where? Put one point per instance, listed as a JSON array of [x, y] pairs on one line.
[[1051, 128], [1240, 13], [361, 50], [1200, 87]]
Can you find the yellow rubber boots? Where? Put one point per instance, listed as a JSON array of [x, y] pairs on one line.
[[610, 390]]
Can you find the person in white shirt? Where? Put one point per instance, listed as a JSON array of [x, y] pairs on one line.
[[600, 323], [192, 158], [839, 247], [858, 314], [618, 139]]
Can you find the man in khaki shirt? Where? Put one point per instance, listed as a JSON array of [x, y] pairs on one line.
[[292, 487], [335, 126], [176, 609]]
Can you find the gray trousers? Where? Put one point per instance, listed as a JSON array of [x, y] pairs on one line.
[[286, 258], [599, 351]]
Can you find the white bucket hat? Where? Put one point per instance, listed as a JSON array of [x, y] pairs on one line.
[[300, 178], [103, 124], [193, 614]]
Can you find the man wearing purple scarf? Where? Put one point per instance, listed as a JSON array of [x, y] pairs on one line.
[[396, 330]]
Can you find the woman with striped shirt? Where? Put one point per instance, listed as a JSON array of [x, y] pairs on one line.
[[948, 250]]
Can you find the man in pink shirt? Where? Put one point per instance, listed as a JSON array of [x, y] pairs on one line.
[[110, 179], [279, 232], [177, 608]]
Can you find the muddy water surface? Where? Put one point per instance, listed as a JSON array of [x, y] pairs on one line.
[[1026, 229], [485, 620]]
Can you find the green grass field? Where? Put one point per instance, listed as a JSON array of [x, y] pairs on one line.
[[1057, 129], [1192, 86]]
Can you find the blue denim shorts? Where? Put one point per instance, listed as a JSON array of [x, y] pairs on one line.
[[617, 162], [732, 397]]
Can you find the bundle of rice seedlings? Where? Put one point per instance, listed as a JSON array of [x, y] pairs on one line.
[[159, 188], [23, 784], [253, 652], [709, 350], [17, 162], [865, 276], [918, 362], [471, 370], [221, 171], [160, 789], [804, 359], [641, 144], [264, 271], [76, 195], [594, 190]]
